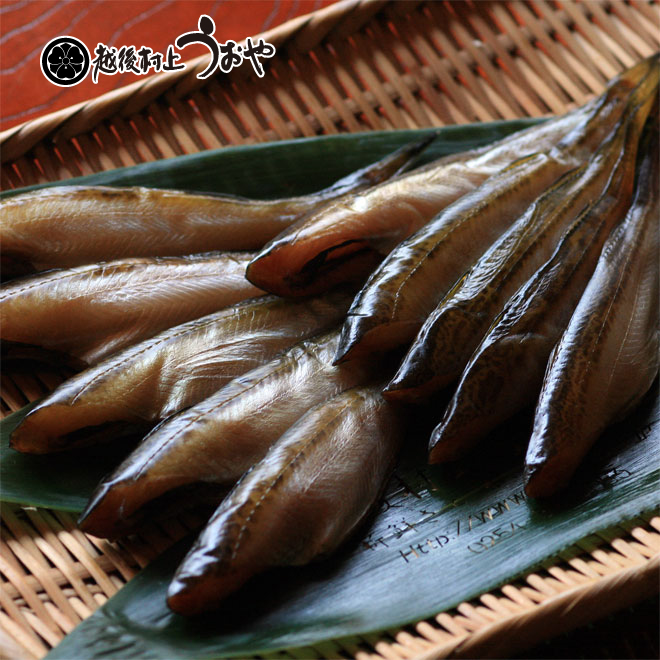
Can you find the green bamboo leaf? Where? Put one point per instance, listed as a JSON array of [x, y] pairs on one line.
[[289, 167], [441, 536]]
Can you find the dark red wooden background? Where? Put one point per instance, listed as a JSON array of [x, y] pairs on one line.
[[27, 25]]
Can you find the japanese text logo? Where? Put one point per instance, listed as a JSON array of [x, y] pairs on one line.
[[66, 61]]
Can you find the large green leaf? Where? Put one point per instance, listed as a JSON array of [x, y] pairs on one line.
[[441, 536], [292, 167]]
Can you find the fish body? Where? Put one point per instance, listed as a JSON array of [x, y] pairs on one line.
[[404, 289], [176, 368], [415, 276], [92, 311], [455, 328], [313, 488], [221, 438], [361, 230], [67, 226], [351, 230], [608, 356], [506, 371]]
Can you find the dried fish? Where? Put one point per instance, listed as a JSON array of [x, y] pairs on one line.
[[506, 371], [407, 286], [309, 493], [346, 238], [308, 445], [221, 438], [175, 369], [608, 356], [453, 331], [90, 312], [67, 226]]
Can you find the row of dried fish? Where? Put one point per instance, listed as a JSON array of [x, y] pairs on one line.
[[468, 295], [616, 321], [65, 226], [505, 244], [156, 284], [123, 318]]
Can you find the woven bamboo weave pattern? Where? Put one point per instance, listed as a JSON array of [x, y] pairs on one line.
[[355, 66]]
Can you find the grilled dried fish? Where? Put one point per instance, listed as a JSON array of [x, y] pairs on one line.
[[68, 226], [175, 369], [221, 438], [506, 371], [313, 488], [346, 238], [90, 312], [407, 286], [453, 331], [608, 357]]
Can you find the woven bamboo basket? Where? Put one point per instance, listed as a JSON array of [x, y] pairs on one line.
[[356, 65]]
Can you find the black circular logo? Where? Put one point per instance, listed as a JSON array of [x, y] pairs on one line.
[[65, 61]]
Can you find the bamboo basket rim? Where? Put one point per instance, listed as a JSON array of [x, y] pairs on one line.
[[588, 583], [302, 32]]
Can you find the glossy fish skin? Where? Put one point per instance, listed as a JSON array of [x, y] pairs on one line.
[[221, 438], [455, 328], [175, 369], [296, 262], [92, 311], [67, 226], [608, 356], [412, 280], [310, 492], [506, 371], [360, 231], [404, 289]]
